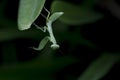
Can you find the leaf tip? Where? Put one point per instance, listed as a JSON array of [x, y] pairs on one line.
[[61, 13], [24, 27]]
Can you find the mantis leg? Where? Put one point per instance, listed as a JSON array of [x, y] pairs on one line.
[[48, 13], [43, 29], [42, 44]]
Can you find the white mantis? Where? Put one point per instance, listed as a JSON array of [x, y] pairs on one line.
[[48, 27]]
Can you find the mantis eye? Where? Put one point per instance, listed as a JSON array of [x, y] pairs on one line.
[[55, 46]]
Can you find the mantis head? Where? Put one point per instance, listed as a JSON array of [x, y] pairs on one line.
[[55, 46]]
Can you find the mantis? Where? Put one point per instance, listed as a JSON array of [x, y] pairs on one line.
[[49, 20]]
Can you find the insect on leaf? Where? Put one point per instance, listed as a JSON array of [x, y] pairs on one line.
[[42, 43], [29, 10], [55, 16]]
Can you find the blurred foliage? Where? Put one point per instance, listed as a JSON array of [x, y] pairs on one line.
[[80, 14], [79, 58]]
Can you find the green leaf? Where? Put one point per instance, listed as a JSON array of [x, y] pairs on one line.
[[29, 10], [75, 14], [55, 16], [100, 67], [42, 43], [37, 69]]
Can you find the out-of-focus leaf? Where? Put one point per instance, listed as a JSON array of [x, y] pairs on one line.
[[100, 67], [29, 10], [42, 43], [75, 14], [90, 3], [35, 70], [113, 7]]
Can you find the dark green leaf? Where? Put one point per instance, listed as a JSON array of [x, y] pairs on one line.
[[100, 67], [75, 14]]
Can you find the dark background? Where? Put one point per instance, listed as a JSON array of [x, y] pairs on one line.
[[104, 33]]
